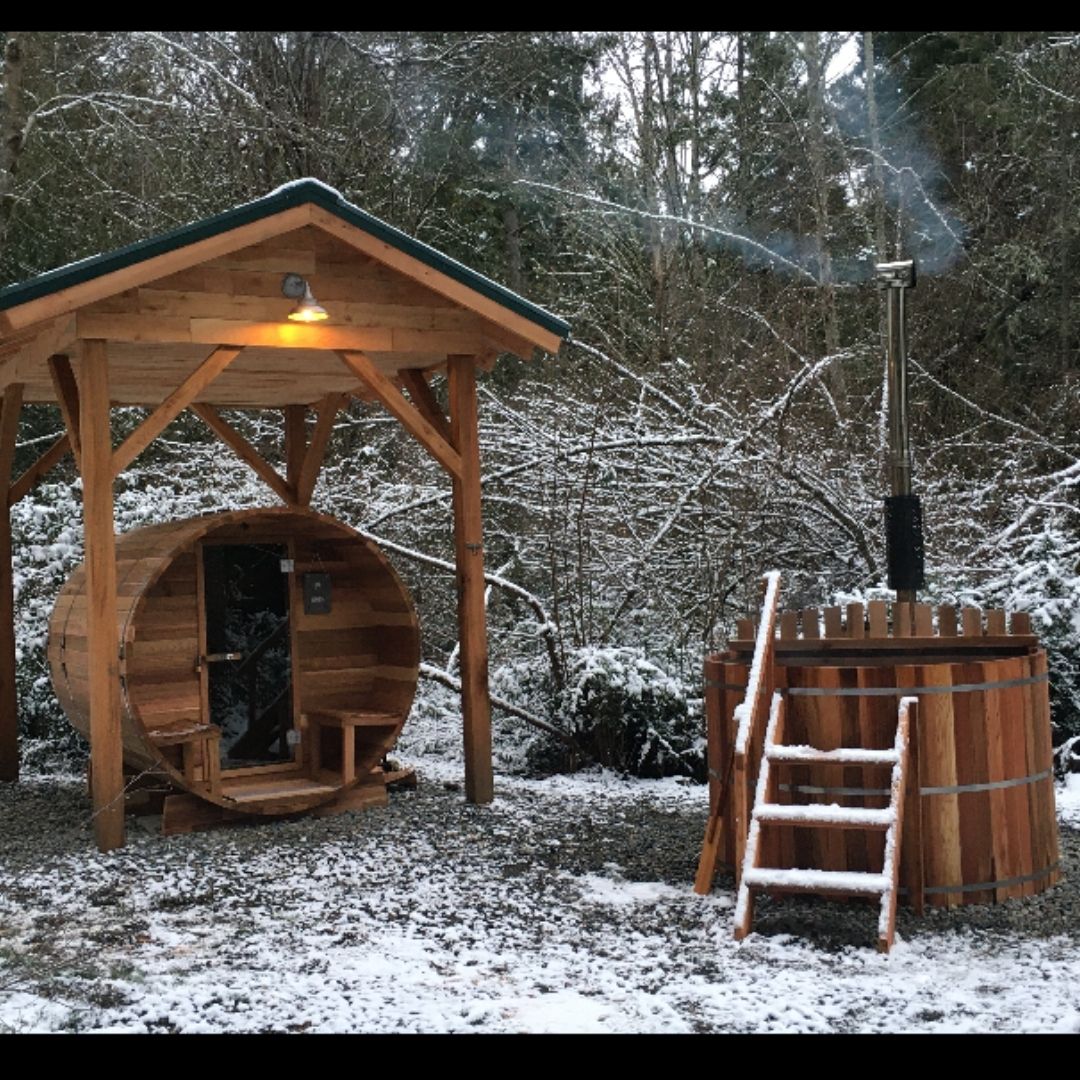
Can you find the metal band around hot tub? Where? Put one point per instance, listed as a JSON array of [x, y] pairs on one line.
[[990, 785], [983, 886], [958, 789], [898, 691]]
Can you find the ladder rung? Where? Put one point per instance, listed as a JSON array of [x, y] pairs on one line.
[[841, 817], [809, 755], [845, 882]]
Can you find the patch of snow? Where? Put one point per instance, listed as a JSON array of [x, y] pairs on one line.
[[603, 890], [828, 813], [851, 755], [307, 180], [848, 880], [1068, 800], [744, 711], [435, 916]]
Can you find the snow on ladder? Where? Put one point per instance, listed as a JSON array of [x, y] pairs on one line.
[[732, 791], [758, 878]]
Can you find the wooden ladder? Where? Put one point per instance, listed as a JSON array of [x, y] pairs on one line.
[[731, 791], [767, 811]]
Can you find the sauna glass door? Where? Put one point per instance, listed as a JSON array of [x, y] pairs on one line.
[[247, 651]]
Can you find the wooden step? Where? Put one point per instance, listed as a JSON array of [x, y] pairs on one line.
[[834, 882], [277, 790], [182, 731], [342, 718], [822, 814], [809, 755]]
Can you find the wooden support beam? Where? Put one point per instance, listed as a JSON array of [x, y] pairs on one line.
[[9, 698], [327, 411], [173, 406], [469, 552], [243, 450], [398, 406], [151, 328], [29, 479], [67, 397], [103, 644], [424, 399], [295, 442]]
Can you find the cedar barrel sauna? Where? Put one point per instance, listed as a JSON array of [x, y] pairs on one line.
[[268, 657], [982, 828]]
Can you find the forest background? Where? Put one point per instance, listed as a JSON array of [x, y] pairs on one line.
[[704, 209]]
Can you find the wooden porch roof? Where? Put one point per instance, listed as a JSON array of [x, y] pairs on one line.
[[165, 304]]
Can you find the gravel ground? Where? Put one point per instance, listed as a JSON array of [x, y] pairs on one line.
[[566, 906]]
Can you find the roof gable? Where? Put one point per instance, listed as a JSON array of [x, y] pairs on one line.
[[293, 204]]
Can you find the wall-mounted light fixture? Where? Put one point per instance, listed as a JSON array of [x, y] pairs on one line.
[[307, 309]]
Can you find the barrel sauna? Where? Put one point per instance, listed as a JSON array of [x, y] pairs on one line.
[[983, 828], [268, 658]]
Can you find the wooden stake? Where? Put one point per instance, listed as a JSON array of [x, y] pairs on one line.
[[106, 749], [9, 698], [468, 543]]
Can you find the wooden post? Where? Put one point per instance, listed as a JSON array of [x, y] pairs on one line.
[[106, 749], [9, 699], [295, 442], [469, 550]]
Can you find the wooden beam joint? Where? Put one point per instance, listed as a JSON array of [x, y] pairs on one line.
[[29, 479], [173, 406], [409, 415], [311, 465], [67, 397], [244, 451]]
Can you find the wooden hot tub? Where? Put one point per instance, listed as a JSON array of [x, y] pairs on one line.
[[268, 657], [983, 828]]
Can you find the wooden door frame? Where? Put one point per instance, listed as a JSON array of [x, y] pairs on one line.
[[298, 764]]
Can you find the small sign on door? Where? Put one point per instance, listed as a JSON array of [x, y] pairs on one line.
[[316, 594]]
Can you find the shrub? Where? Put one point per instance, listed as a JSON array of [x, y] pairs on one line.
[[627, 714]]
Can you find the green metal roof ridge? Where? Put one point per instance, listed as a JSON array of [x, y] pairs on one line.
[[295, 193]]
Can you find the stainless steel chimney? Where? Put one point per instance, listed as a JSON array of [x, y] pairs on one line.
[[903, 514]]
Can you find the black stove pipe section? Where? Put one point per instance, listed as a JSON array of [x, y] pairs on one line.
[[903, 513]]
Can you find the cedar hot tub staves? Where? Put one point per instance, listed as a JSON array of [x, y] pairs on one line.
[[982, 827]]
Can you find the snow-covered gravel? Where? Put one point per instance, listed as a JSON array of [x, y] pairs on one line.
[[564, 907]]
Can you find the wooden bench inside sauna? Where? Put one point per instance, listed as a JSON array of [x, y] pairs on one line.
[[978, 824], [268, 658]]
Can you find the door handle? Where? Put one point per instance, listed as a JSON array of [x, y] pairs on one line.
[[218, 657]]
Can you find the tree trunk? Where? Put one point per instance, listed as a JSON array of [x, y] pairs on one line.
[[875, 145], [816, 150], [11, 138]]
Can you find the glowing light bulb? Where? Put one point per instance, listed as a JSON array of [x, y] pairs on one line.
[[308, 309]]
